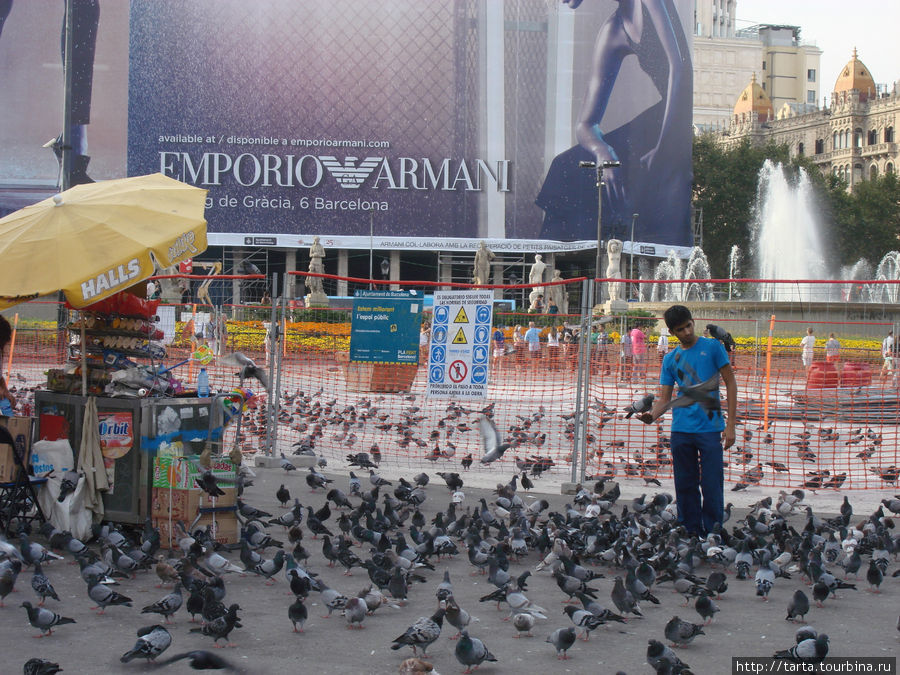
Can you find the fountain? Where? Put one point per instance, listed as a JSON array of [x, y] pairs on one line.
[[697, 267], [734, 269], [789, 244], [788, 237], [888, 270]]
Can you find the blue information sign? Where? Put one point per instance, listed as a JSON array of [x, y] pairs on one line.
[[385, 327]]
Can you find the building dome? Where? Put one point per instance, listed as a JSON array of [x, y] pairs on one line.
[[856, 76], [754, 100]]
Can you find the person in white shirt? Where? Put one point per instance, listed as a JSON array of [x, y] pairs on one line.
[[553, 348], [887, 353], [662, 345], [807, 347]]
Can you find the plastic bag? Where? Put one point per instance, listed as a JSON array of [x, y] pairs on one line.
[[71, 514]]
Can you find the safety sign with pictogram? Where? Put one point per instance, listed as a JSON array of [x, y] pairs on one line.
[[460, 339]]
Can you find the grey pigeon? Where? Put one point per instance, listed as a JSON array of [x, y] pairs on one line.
[[355, 612], [332, 599], [201, 659], [104, 596], [9, 572], [152, 641], [67, 485], [248, 368], [208, 483], [523, 622], [377, 480], [798, 606], [42, 586], [681, 633], [472, 652], [703, 393], [422, 633], [584, 620], [641, 405], [354, 484], [445, 588], [456, 616], [519, 602], [297, 614], [40, 667], [623, 599], [286, 464], [167, 606], [663, 660], [220, 627], [33, 552], [765, 579], [811, 650], [494, 447], [269, 568], [43, 619], [705, 607], [562, 639]]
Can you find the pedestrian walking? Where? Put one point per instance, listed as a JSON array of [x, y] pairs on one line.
[[807, 348]]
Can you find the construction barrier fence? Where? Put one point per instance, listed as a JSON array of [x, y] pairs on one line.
[[823, 420]]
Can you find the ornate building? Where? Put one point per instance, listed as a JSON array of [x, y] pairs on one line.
[[725, 57], [854, 138]]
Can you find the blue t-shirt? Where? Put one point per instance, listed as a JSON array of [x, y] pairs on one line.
[[6, 408], [499, 338], [686, 367], [533, 335]]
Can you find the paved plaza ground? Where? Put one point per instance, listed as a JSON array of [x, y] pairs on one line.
[[858, 623]]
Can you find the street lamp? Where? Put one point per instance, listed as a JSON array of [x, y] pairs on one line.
[[599, 166], [634, 217]]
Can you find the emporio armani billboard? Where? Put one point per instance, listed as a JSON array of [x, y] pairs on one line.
[[412, 120]]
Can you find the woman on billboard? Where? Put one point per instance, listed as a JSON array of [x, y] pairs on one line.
[[653, 144]]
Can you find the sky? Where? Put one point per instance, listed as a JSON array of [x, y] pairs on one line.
[[836, 27]]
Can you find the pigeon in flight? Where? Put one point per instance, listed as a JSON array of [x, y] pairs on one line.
[[248, 368], [494, 447]]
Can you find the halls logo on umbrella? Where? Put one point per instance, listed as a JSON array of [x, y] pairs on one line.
[[117, 276], [184, 244]]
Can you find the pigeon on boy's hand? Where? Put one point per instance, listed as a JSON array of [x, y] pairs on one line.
[[640, 406]]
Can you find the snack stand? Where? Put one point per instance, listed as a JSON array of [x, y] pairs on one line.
[[131, 440]]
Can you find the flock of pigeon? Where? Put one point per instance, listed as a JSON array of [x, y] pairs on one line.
[[380, 526]]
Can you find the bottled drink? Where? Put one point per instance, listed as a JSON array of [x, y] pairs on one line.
[[203, 383]]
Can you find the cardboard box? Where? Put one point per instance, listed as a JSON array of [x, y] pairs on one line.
[[181, 472], [185, 504], [20, 428], [224, 528]]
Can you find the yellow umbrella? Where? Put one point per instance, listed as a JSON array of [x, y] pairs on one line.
[[94, 240]]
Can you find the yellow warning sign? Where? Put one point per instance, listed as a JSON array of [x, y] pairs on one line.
[[461, 317], [460, 337]]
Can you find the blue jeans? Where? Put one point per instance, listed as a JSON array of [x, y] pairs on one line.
[[697, 464]]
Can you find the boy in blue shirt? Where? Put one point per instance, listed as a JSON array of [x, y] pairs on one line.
[[698, 428]]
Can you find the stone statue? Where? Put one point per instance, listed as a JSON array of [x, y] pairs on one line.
[[613, 268], [558, 295], [481, 273], [316, 256], [536, 276]]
